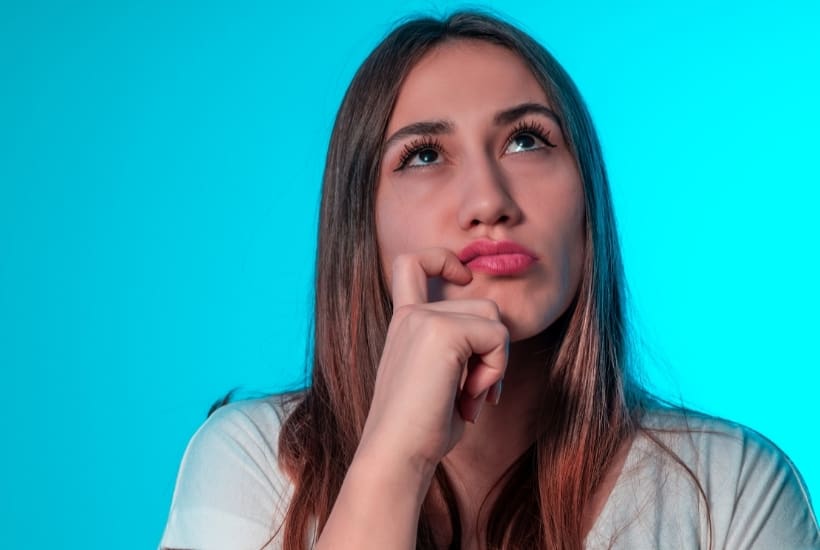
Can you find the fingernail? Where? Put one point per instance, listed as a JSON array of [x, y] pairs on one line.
[[497, 392], [475, 417]]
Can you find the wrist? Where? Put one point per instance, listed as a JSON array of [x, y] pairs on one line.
[[379, 503], [408, 474]]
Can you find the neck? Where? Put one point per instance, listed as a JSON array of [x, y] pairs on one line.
[[478, 464], [504, 431]]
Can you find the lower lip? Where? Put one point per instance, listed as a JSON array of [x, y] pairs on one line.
[[501, 264]]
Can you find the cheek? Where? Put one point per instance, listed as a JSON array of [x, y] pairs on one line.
[[562, 230], [394, 236], [383, 236], [400, 228], [407, 223], [386, 242]]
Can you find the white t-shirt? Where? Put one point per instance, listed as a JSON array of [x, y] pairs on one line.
[[230, 493]]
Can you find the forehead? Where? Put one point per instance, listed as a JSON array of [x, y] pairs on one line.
[[464, 77]]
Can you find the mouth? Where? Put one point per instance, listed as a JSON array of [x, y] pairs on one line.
[[499, 258]]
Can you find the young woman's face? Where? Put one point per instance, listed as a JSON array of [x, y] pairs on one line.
[[475, 159]]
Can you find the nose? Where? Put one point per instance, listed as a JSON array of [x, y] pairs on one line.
[[486, 198]]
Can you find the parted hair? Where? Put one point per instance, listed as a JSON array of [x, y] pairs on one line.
[[591, 403]]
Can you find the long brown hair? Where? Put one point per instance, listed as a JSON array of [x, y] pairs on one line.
[[591, 404]]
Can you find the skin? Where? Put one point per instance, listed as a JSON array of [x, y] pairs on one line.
[[482, 184], [455, 334]]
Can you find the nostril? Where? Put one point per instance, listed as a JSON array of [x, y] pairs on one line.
[[504, 218]]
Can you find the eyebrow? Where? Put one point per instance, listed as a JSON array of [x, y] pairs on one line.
[[427, 128], [512, 114]]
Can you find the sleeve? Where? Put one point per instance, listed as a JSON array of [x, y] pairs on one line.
[[772, 505], [230, 493]]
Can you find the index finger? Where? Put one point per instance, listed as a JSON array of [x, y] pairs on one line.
[[411, 271]]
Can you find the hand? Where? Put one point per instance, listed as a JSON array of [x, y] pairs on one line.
[[420, 403]]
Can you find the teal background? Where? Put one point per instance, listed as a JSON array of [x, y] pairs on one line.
[[159, 175]]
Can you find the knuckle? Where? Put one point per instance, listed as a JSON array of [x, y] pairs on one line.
[[502, 331], [415, 316], [491, 308], [436, 324], [405, 311]]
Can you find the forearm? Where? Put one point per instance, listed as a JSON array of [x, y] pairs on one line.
[[378, 506]]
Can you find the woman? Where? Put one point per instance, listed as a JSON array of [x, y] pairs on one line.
[[467, 238]]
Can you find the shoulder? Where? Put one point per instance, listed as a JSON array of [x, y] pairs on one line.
[[230, 491], [752, 492], [253, 420], [244, 432], [700, 439], [712, 445]]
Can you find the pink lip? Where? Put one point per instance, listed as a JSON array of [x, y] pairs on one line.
[[496, 257]]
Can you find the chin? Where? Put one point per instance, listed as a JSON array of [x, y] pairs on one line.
[[526, 323], [524, 319], [522, 328]]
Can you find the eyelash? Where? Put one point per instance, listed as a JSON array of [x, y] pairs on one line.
[[534, 128], [417, 146], [421, 144]]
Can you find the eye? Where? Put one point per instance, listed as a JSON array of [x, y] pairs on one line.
[[523, 142], [528, 137], [425, 156], [420, 153]]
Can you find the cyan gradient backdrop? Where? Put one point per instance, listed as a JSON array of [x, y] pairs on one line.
[[159, 175]]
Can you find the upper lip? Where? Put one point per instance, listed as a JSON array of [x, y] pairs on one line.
[[486, 247]]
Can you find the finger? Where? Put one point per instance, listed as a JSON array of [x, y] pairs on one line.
[[494, 395], [481, 379], [489, 342], [411, 271], [470, 407], [486, 309]]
